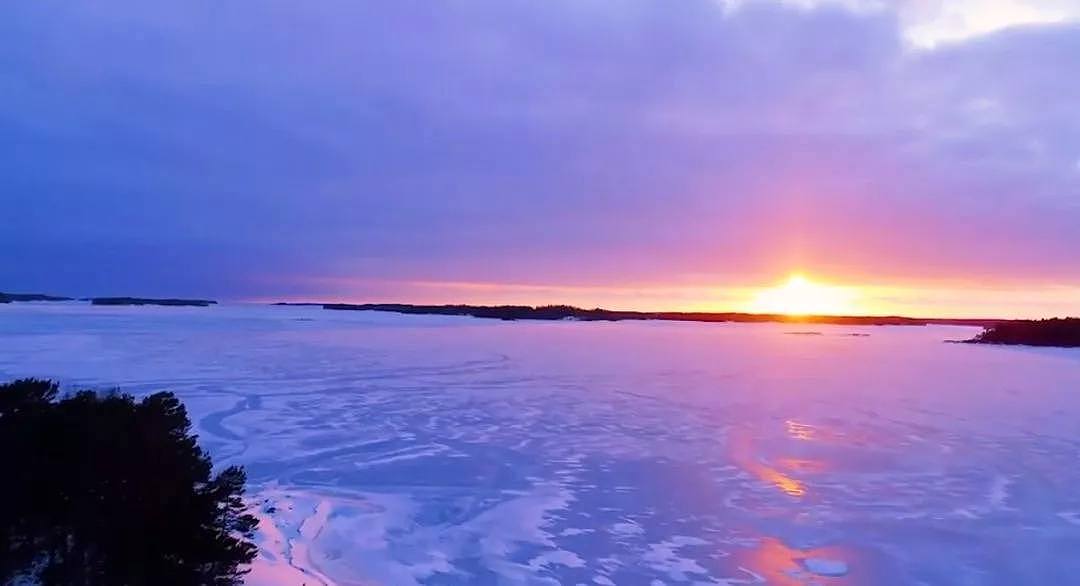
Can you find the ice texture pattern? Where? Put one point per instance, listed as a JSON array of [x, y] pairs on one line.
[[394, 449]]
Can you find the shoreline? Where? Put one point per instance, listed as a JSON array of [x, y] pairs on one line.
[[570, 313]]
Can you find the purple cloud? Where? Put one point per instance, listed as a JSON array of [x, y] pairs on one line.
[[258, 149]]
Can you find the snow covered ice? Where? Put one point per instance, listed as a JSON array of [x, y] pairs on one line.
[[390, 449]]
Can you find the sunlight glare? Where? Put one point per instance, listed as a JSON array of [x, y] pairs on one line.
[[801, 296]]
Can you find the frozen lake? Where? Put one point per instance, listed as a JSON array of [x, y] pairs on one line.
[[396, 450]]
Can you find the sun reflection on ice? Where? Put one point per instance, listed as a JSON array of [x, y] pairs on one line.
[[777, 563], [775, 470], [744, 455]]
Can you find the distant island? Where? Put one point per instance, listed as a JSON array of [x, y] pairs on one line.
[[568, 312], [20, 297], [10, 297], [149, 301], [1060, 332]]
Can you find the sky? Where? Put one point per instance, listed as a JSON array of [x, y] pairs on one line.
[[642, 154]]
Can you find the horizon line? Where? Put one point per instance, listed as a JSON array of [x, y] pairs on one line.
[[709, 312]]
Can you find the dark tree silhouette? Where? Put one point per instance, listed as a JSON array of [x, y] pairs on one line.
[[1063, 332], [557, 312], [101, 489]]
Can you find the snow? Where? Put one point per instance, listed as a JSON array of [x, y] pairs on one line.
[[390, 449]]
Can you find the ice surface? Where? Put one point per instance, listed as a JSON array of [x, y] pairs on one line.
[[825, 567], [389, 449]]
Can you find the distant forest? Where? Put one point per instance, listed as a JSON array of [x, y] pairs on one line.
[[569, 312], [14, 297], [1062, 332]]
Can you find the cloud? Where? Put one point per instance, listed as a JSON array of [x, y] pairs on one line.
[[265, 148], [928, 23], [931, 22]]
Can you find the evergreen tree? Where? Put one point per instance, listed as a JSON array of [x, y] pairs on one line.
[[104, 489]]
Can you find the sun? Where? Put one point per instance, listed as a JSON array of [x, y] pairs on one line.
[[801, 296]]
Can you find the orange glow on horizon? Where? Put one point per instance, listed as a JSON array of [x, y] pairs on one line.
[[801, 296], [797, 295]]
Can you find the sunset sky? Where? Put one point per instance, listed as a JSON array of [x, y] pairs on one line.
[[911, 157]]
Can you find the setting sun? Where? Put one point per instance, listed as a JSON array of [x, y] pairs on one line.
[[801, 296]]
